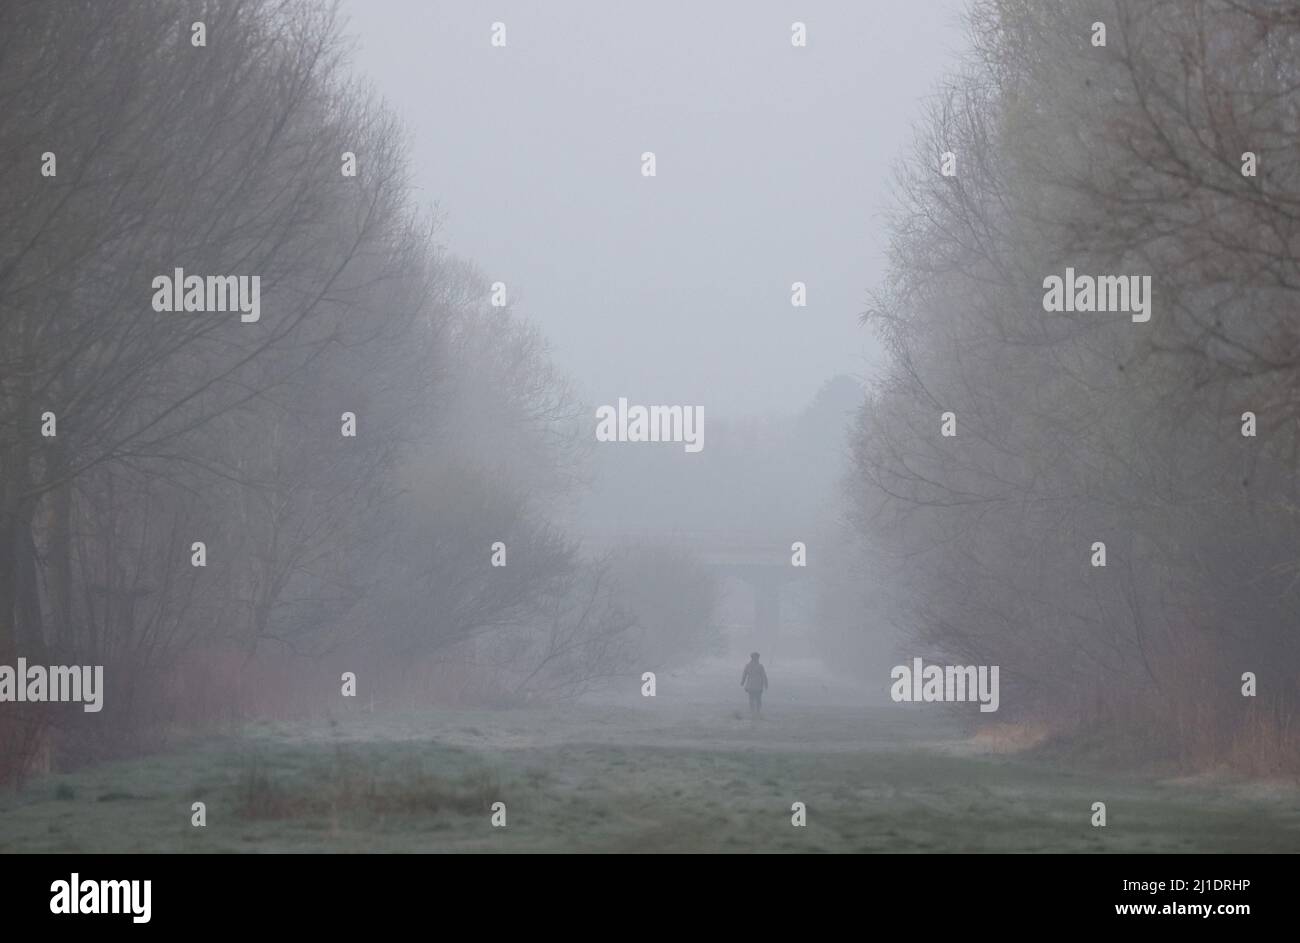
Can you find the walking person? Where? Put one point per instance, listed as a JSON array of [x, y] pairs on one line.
[[754, 681]]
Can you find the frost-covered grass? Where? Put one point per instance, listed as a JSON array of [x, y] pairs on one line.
[[641, 775]]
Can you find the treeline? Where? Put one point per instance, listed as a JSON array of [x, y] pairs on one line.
[[1169, 151], [179, 499]]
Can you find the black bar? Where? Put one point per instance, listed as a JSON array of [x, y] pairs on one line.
[[332, 893]]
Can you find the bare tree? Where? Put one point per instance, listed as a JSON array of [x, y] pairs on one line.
[[1074, 428]]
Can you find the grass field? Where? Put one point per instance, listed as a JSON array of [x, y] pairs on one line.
[[664, 774]]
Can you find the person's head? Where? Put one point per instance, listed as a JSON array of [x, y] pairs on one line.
[[753, 656]]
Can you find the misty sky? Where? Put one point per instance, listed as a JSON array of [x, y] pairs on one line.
[[773, 166]]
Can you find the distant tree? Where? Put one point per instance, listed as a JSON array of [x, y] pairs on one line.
[[674, 600]]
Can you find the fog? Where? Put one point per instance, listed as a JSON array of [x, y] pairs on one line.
[[773, 167], [728, 427]]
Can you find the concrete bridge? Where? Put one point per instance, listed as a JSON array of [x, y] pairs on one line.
[[761, 563]]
